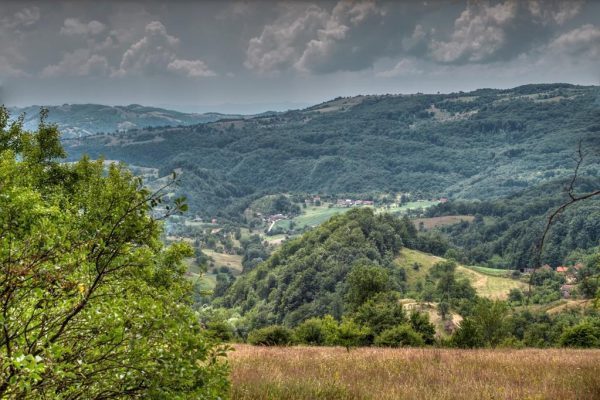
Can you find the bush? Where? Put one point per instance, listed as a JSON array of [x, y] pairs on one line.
[[275, 335], [420, 324], [581, 335], [468, 335], [311, 332], [399, 336], [350, 334], [219, 330]]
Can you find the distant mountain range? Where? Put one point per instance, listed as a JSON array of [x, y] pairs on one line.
[[79, 120]]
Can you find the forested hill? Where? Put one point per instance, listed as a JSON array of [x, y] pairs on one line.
[[479, 144], [77, 120], [311, 275], [505, 231]]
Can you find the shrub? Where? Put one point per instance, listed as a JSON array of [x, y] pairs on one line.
[[467, 335], [582, 335], [420, 324], [275, 335], [399, 336], [219, 330], [311, 332]]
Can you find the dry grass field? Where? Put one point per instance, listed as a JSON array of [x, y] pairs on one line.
[[303, 373], [430, 223]]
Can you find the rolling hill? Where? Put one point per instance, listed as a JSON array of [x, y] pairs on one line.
[[483, 144], [78, 120]]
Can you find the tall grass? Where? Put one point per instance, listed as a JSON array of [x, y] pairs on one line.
[[375, 373]]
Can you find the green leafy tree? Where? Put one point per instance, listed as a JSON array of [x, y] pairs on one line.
[[350, 334], [275, 335], [583, 334], [92, 304], [365, 281], [400, 336]]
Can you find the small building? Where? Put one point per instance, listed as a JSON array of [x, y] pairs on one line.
[[213, 221], [443, 200], [566, 290], [276, 217], [368, 202], [562, 269]]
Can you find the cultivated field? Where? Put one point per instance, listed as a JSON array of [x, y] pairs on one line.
[[231, 261], [429, 223], [488, 282], [315, 215], [303, 373]]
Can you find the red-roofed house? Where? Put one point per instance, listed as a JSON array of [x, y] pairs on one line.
[[562, 269]]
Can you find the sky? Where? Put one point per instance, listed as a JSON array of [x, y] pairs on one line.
[[252, 56]]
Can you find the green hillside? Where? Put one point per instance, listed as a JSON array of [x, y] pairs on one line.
[[78, 120], [488, 282], [482, 144]]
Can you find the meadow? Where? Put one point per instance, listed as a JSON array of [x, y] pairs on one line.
[[488, 282], [315, 215], [446, 374]]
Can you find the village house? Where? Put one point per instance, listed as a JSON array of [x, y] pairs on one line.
[[566, 290], [562, 269], [276, 217]]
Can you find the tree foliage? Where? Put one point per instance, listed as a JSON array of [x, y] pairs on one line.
[[92, 304]]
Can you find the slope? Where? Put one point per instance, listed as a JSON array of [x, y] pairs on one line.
[[483, 144]]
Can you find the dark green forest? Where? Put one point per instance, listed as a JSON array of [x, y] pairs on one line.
[[482, 144], [506, 231]]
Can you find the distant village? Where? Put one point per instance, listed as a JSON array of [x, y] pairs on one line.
[[570, 274]]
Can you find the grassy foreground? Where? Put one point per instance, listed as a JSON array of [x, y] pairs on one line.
[[375, 373]]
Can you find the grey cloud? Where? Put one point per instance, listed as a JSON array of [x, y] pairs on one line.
[[219, 52], [479, 33], [156, 52], [191, 68], [78, 63], [486, 32], [12, 29], [281, 43], [349, 36], [554, 11], [338, 45], [404, 67], [25, 17], [584, 40], [73, 26]]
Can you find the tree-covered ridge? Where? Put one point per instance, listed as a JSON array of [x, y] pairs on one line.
[[78, 120], [505, 232], [470, 145], [92, 304], [308, 276]]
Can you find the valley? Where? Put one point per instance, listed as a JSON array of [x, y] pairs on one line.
[[299, 200]]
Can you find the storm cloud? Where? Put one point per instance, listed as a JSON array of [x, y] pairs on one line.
[[191, 54]]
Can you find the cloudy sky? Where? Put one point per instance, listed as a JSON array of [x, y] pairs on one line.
[[248, 56]]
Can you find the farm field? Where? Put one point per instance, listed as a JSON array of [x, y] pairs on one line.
[[316, 215], [411, 205], [488, 282], [303, 373], [490, 286], [232, 261], [313, 216], [429, 223]]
